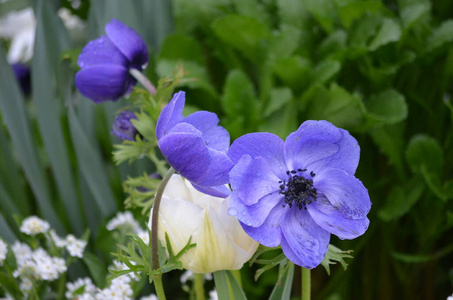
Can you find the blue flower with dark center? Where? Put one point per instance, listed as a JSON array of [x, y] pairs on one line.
[[105, 63], [123, 127], [195, 146], [295, 193]]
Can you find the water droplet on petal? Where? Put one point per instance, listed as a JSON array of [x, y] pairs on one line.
[[232, 212]]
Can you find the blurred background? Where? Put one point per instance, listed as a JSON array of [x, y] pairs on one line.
[[381, 69]]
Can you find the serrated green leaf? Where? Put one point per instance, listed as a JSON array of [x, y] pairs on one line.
[[353, 11], [388, 106], [424, 152], [334, 255], [389, 31]]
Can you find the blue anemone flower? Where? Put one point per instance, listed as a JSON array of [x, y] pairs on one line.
[[106, 61], [123, 127], [195, 146], [295, 193]]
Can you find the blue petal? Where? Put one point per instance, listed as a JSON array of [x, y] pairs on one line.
[[219, 167], [267, 145], [319, 144], [101, 51], [329, 218], [170, 115], [186, 152], [216, 137], [252, 179], [269, 233], [103, 83], [303, 242], [253, 215], [128, 42], [220, 191], [345, 192]]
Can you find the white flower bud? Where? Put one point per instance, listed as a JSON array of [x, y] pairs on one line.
[[221, 242]]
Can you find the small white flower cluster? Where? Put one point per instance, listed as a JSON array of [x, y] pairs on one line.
[[125, 222], [75, 291], [3, 251], [189, 275], [34, 225], [36, 265], [450, 297], [74, 246]]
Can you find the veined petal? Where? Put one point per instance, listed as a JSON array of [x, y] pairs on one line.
[[345, 192], [303, 242], [319, 144], [219, 167], [216, 137], [128, 42], [329, 218], [269, 233], [102, 83], [101, 51], [186, 152], [170, 115], [267, 145], [252, 179], [220, 191], [253, 215]]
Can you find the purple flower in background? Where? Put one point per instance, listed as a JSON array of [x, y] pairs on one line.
[[195, 146], [106, 61], [123, 127], [22, 73], [295, 193]]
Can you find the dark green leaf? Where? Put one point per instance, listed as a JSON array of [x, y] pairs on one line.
[[441, 35], [388, 106], [96, 267], [424, 152], [282, 288], [356, 9]]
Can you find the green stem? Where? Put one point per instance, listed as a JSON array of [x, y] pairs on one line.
[[155, 218], [157, 280], [237, 275], [306, 284], [199, 287], [143, 80]]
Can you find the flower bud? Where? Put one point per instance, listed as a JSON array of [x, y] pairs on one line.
[[221, 243], [123, 127]]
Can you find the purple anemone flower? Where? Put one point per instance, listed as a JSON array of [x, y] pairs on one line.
[[195, 146], [295, 193], [123, 127], [106, 61]]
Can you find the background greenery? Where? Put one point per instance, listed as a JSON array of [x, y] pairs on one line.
[[381, 69]]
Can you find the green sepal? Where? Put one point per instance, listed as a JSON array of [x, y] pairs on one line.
[[335, 255]]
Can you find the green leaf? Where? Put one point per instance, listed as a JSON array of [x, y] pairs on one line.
[[6, 233], [410, 258], [227, 286], [411, 14], [401, 199], [323, 11], [96, 267], [441, 35], [353, 11], [10, 285], [283, 287], [294, 71], [181, 47], [282, 121], [388, 106], [335, 255], [278, 98], [390, 31], [390, 141], [424, 152], [243, 33], [284, 42], [325, 70]]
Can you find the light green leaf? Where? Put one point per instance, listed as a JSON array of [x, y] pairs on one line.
[[441, 35], [334, 255], [413, 13], [323, 11], [353, 11], [278, 98], [325, 70], [388, 106], [390, 31], [294, 71], [227, 287], [284, 42], [424, 152]]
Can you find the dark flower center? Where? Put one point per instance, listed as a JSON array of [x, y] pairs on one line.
[[298, 189]]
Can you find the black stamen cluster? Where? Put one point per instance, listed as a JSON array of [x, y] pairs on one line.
[[298, 189]]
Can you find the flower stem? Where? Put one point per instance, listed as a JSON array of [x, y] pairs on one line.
[[143, 80], [157, 280], [155, 217], [199, 288], [306, 284]]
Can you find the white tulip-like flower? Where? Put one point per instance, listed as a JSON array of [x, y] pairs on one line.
[[221, 242]]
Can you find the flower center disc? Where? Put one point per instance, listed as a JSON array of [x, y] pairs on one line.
[[298, 189]]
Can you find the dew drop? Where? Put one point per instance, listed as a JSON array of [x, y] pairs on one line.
[[232, 212]]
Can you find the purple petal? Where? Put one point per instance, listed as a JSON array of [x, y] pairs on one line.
[[252, 179], [269, 233], [101, 51], [186, 152], [220, 191], [253, 215], [171, 115], [128, 42], [216, 137], [345, 192], [319, 144], [329, 218], [303, 242], [267, 145], [103, 83], [219, 167]]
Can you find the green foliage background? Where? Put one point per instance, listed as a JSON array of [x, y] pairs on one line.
[[381, 69]]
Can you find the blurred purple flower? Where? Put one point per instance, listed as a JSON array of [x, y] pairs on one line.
[[195, 146], [106, 61], [22, 73], [123, 127], [298, 192]]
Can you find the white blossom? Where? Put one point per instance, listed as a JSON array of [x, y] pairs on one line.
[[123, 221], [3, 251], [450, 297], [37, 264], [59, 242], [34, 225], [75, 246], [150, 297], [213, 295], [89, 289], [143, 234], [119, 289]]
